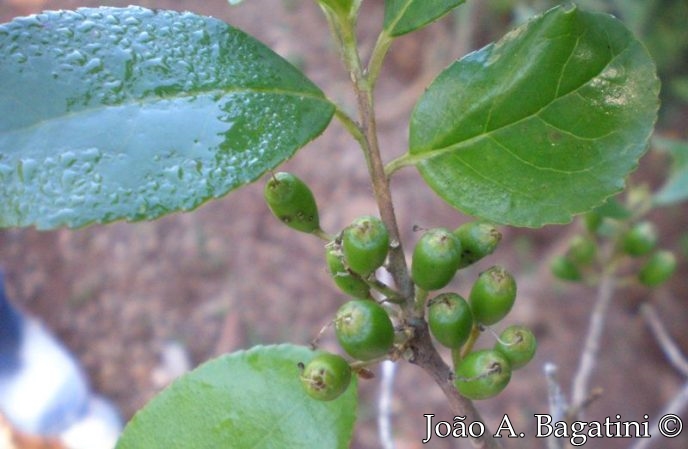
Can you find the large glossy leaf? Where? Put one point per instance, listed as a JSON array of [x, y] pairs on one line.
[[111, 113], [404, 16], [544, 124], [250, 399]]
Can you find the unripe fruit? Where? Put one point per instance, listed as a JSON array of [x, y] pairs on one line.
[[365, 243], [478, 239], [482, 374], [364, 329], [640, 239], [292, 202], [348, 282], [450, 319], [563, 268], [517, 344], [582, 250], [658, 269], [435, 259], [593, 220], [492, 295], [326, 376]]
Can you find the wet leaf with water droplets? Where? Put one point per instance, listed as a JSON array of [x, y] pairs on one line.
[[128, 113], [248, 399], [543, 124]]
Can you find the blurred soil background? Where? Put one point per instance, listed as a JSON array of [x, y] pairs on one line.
[[229, 276]]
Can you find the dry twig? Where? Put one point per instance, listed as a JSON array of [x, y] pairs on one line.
[[581, 390], [677, 359]]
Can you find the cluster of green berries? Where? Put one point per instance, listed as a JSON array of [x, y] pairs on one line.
[[363, 326], [455, 323], [635, 241], [641, 241]]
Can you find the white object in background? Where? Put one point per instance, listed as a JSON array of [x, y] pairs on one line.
[[98, 428], [43, 390], [174, 362]]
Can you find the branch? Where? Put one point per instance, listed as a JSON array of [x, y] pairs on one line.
[[557, 402], [426, 356], [363, 84], [581, 380], [397, 259], [677, 360], [424, 353], [675, 407], [555, 396], [671, 350]]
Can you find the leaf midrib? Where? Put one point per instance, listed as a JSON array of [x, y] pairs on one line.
[[402, 11], [156, 99]]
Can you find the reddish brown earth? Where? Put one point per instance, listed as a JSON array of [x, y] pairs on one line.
[[228, 276]]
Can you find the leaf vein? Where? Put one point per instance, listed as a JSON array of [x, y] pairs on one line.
[[433, 153]]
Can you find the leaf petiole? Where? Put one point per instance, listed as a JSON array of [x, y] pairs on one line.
[[402, 161]]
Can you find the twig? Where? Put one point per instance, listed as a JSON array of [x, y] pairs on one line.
[[384, 417], [671, 350], [427, 357], [676, 358], [581, 391], [678, 361], [424, 353], [577, 409], [556, 399], [675, 407]]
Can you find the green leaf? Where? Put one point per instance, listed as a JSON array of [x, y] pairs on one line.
[[404, 16], [675, 189], [542, 125], [129, 113], [613, 208], [249, 399], [344, 8]]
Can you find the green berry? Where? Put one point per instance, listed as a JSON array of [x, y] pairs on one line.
[[593, 220], [364, 329], [450, 319], [435, 259], [348, 282], [582, 250], [365, 244], [658, 269], [292, 202], [640, 239], [563, 268], [478, 239], [482, 374], [492, 295], [517, 344], [326, 376]]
